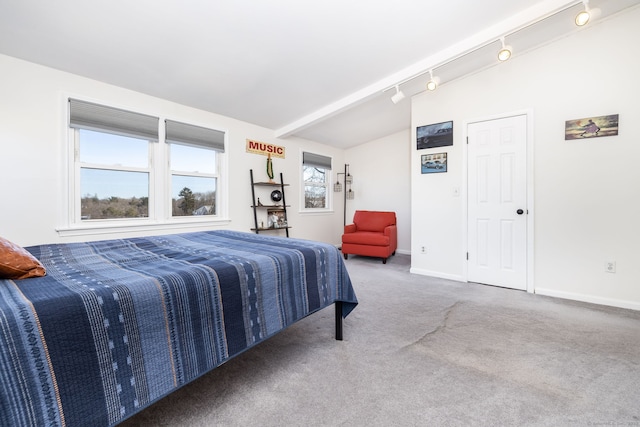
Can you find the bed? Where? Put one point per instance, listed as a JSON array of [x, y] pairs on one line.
[[115, 325]]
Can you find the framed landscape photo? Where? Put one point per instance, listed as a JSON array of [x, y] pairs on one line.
[[434, 135], [434, 163]]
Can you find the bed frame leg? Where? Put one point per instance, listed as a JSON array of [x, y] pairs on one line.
[[338, 320]]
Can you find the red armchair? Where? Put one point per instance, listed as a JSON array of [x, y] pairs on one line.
[[373, 233]]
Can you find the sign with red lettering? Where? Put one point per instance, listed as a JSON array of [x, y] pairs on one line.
[[265, 149]]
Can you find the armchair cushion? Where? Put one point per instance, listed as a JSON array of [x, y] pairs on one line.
[[366, 238], [373, 220]]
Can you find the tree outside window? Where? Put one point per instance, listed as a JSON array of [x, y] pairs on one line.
[[316, 181], [315, 187]]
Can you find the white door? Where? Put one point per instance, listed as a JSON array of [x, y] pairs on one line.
[[497, 202]]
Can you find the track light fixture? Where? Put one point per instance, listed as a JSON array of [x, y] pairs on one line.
[[433, 83], [398, 96], [583, 17], [505, 52]]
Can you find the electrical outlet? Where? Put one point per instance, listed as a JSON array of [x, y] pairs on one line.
[[610, 266], [423, 250]]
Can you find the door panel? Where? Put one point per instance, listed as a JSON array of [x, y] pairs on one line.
[[497, 188]]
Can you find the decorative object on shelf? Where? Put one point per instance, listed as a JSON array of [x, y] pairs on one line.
[[435, 135], [276, 218], [270, 169], [276, 195], [591, 127], [272, 222]]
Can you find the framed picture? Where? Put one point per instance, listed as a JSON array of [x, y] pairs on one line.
[[435, 135], [276, 218], [434, 163], [591, 127]]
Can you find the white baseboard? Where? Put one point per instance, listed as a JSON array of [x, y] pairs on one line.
[[437, 274], [589, 298]]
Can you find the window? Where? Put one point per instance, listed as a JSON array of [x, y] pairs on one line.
[[122, 170], [316, 177], [114, 176], [193, 180], [194, 168], [112, 161]]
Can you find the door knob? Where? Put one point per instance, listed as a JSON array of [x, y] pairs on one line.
[[519, 211]]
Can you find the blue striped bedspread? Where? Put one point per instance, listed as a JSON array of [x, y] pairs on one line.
[[118, 324]]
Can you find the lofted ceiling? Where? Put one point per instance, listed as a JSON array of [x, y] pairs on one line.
[[320, 70]]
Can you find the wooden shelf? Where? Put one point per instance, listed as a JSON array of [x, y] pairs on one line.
[[270, 229], [271, 184], [269, 208]]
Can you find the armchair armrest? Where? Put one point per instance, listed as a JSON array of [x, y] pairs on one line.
[[349, 228], [392, 232]]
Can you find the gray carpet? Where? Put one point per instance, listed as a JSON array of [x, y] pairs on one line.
[[420, 351]]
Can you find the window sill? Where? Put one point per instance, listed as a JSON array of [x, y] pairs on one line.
[[97, 229], [317, 212]]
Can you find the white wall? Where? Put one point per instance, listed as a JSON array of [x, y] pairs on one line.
[[33, 159], [586, 192], [382, 181]]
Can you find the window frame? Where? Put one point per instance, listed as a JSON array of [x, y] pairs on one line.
[[79, 165], [328, 185], [172, 172]]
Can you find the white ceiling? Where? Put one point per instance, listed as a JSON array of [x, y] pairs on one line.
[[313, 69]]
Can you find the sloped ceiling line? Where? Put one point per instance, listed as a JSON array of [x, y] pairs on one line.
[[526, 18]]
